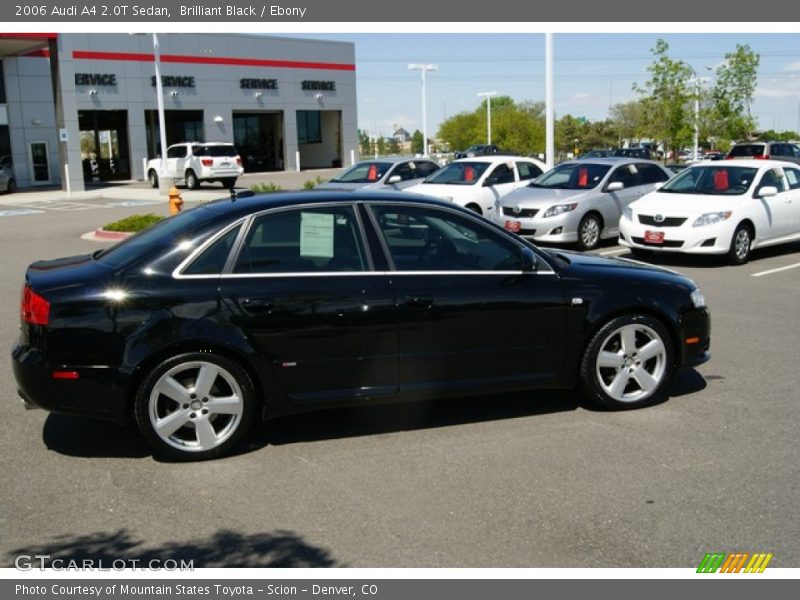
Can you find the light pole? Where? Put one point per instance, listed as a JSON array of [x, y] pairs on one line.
[[488, 96], [423, 68], [162, 125], [549, 134], [696, 80]]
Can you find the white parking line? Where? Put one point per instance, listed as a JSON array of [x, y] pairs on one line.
[[778, 270], [615, 251]]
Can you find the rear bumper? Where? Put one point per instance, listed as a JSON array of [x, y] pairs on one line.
[[98, 392]]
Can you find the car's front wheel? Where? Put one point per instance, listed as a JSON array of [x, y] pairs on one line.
[[628, 363], [195, 406], [589, 232], [742, 240], [153, 177]]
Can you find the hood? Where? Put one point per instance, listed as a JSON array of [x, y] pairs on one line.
[[606, 266], [685, 204], [541, 197], [441, 190]]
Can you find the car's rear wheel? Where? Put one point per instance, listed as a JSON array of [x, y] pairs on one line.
[[589, 232], [195, 406], [741, 242], [192, 182], [11, 186], [153, 177], [628, 363]]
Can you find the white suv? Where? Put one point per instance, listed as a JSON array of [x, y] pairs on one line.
[[194, 162]]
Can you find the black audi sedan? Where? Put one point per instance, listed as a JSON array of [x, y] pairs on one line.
[[250, 308]]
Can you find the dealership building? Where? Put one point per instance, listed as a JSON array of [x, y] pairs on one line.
[[84, 106]]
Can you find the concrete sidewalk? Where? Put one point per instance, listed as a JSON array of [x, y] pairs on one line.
[[139, 190]]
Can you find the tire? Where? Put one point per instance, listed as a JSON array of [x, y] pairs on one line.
[[474, 208], [11, 186], [184, 421], [616, 377], [152, 176], [741, 241], [589, 232], [192, 182], [228, 182]]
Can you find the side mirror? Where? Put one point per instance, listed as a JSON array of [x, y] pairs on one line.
[[528, 260], [767, 191], [394, 179], [490, 181], [615, 186], [659, 185]]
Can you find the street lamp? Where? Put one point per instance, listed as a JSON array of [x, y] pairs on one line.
[[423, 68], [162, 131], [488, 96]]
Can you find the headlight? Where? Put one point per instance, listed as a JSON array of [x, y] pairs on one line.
[[698, 299], [711, 218], [627, 212], [559, 209]]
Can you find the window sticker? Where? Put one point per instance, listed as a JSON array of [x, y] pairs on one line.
[[316, 235]]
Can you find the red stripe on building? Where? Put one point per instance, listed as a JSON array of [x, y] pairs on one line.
[[41, 53], [212, 60], [28, 36]]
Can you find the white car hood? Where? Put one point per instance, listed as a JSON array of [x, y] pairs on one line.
[[685, 204], [541, 197], [443, 190]]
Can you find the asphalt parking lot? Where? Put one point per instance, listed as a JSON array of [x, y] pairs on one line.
[[527, 480]]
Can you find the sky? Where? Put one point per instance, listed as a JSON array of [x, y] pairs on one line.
[[591, 72]]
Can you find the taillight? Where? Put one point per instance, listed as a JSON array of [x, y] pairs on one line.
[[35, 309], [207, 162], [239, 160]]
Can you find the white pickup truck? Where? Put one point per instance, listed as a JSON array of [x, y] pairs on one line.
[[195, 162]]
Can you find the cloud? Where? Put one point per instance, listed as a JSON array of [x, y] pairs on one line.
[[785, 87], [793, 66]]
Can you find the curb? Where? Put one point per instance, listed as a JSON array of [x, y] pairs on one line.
[[101, 235]]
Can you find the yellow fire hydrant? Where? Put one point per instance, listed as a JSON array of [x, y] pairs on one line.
[[175, 201]]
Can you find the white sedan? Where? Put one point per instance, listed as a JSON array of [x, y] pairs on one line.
[[721, 207], [476, 183]]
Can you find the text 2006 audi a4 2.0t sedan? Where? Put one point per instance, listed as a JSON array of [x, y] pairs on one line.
[[264, 306]]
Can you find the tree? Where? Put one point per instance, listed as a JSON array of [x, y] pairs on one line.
[[733, 93], [665, 99], [628, 119], [417, 142], [381, 146], [364, 143], [393, 147]]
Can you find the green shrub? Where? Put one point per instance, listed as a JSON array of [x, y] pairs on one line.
[[265, 188], [309, 185], [134, 223]]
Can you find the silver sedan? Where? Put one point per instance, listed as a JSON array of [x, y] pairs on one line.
[[387, 174], [578, 201]]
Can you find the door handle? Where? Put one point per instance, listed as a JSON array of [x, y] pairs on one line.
[[419, 301], [257, 306]]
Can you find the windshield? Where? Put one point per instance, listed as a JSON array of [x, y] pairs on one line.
[[572, 176], [715, 181], [459, 173], [366, 172], [747, 151]]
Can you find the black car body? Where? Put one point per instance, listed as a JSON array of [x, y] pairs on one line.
[[302, 300]]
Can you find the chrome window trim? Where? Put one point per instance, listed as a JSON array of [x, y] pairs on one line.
[[295, 274]]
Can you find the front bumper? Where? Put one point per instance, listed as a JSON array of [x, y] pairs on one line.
[[99, 391], [711, 239], [561, 228], [695, 338]]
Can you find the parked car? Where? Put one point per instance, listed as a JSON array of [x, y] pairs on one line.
[[195, 163], [765, 151], [197, 327], [478, 150], [718, 208], [633, 153], [578, 201], [714, 155], [382, 174], [595, 154], [476, 183], [8, 182]]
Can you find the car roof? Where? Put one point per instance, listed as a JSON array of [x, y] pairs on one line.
[[494, 158], [613, 160], [756, 163], [259, 202], [394, 159]]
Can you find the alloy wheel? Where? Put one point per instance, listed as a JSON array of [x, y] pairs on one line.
[[631, 363]]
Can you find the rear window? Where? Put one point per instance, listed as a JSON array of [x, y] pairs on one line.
[[170, 231], [747, 150], [214, 151]]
